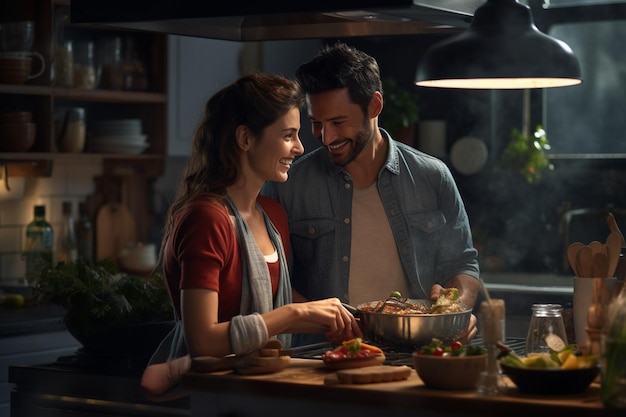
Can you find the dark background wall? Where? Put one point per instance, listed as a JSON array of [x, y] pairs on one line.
[[519, 225]]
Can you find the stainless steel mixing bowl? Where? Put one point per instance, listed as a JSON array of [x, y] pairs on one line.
[[411, 330]]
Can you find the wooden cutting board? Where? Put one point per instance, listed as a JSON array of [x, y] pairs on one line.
[[115, 227], [369, 375]]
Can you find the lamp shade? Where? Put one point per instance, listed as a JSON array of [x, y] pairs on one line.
[[502, 49]]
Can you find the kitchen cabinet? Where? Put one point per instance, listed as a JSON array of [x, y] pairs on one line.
[[198, 68], [142, 93]]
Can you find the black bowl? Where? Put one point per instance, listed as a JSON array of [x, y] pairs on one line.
[[551, 381]]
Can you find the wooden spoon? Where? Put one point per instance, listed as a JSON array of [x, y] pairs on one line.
[[614, 248], [572, 256], [610, 219], [600, 265], [584, 260]]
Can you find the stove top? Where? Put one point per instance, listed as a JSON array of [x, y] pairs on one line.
[[84, 360], [394, 355]]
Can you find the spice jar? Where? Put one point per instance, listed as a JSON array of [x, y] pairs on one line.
[[112, 65], [84, 67], [64, 64]]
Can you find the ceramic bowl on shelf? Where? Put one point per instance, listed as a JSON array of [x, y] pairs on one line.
[[16, 117], [551, 381], [17, 137], [449, 372]]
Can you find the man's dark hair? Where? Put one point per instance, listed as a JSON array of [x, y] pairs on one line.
[[339, 66]]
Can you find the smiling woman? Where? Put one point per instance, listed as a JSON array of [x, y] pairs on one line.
[[225, 248]]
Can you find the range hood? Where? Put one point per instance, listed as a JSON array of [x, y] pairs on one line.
[[258, 20]]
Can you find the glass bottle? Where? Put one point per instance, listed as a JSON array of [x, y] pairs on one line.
[[68, 251], [38, 245], [546, 331], [84, 234]]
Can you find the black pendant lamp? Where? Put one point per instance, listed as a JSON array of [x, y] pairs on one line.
[[502, 49]]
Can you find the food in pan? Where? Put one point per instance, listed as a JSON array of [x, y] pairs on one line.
[[447, 302]]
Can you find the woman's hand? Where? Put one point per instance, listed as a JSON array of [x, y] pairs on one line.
[[330, 317]]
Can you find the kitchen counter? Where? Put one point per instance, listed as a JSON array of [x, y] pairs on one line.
[[31, 320], [300, 389]]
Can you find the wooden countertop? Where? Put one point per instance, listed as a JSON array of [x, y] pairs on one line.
[[304, 379]]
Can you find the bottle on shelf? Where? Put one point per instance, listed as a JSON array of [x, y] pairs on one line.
[[84, 235], [68, 250], [39, 244]]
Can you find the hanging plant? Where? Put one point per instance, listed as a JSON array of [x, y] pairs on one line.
[[525, 152]]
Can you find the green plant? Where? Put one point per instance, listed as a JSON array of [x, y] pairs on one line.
[[526, 154], [400, 108], [97, 298]]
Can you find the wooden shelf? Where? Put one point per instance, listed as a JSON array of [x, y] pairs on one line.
[[44, 99]]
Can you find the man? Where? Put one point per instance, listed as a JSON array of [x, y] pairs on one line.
[[369, 215]]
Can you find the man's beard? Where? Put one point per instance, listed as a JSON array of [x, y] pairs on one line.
[[362, 139]]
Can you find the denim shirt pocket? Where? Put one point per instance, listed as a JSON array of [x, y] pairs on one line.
[[427, 222], [312, 229], [314, 248]]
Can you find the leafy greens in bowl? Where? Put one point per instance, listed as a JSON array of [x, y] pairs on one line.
[[99, 302]]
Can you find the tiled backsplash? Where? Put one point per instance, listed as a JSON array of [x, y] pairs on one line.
[[72, 180]]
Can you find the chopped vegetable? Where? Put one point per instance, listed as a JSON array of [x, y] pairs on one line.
[[352, 349], [395, 294], [447, 297], [437, 348], [567, 358]]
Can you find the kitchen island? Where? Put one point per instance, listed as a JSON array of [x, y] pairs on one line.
[[303, 389]]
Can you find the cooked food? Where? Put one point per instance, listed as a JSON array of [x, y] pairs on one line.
[[395, 304], [351, 349]]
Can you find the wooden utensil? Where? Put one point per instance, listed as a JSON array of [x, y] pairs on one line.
[[584, 262], [572, 256], [614, 248], [600, 265], [610, 219]]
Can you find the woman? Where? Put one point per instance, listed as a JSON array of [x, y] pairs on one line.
[[224, 248]]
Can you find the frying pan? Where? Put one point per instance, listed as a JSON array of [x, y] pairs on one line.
[[409, 330]]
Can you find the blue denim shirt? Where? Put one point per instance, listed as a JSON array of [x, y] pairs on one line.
[[423, 205]]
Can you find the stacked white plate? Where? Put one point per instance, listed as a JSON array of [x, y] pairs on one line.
[[119, 136]]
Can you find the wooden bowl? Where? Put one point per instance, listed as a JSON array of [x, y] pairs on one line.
[[17, 137], [16, 117], [449, 372]]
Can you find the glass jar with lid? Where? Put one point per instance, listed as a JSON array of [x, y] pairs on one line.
[[546, 331], [84, 65]]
